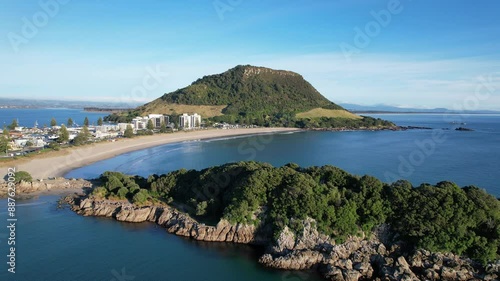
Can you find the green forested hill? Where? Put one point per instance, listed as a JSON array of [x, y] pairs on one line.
[[249, 90], [255, 96]]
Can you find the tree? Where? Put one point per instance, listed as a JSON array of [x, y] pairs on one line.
[[82, 137], [129, 132], [55, 146], [150, 125], [6, 133], [163, 128], [70, 122], [22, 176], [86, 121], [4, 144], [201, 208], [13, 125], [63, 134], [100, 192], [53, 122], [29, 144], [141, 196], [99, 121]]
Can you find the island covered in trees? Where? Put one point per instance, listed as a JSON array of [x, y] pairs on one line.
[[339, 207]]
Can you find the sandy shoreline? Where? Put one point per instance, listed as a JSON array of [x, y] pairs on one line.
[[57, 166]]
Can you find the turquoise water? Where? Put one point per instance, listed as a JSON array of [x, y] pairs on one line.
[[28, 117], [59, 245]]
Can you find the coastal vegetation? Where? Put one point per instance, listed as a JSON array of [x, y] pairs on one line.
[[441, 217], [20, 176]]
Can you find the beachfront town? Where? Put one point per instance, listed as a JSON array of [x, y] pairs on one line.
[[23, 140]]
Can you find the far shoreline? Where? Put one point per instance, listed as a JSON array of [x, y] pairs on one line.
[[60, 165]]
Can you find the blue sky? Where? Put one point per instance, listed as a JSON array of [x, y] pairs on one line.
[[415, 53]]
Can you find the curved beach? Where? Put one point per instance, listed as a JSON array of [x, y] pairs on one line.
[[58, 165]]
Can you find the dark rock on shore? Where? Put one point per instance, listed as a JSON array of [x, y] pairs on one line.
[[463, 129], [375, 257], [404, 128], [175, 222]]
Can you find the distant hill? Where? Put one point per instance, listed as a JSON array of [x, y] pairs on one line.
[[248, 94], [388, 108], [42, 103]]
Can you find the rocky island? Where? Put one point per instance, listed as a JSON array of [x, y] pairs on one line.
[[346, 227]]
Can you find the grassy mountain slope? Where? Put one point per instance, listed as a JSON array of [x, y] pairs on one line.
[[248, 90], [258, 96]]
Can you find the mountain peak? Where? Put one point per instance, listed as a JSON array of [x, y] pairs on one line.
[[250, 70], [244, 90]]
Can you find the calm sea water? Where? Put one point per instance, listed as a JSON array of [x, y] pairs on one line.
[[59, 245], [467, 158], [28, 117]]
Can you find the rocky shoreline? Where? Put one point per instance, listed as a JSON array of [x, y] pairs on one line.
[[48, 185], [390, 128], [377, 257]]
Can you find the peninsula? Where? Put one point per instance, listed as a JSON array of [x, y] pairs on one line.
[[347, 227]]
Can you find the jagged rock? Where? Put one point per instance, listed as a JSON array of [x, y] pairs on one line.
[[174, 221], [40, 185], [490, 277], [285, 241], [430, 274], [295, 260], [334, 273], [365, 269], [416, 260], [448, 273], [493, 268], [134, 215], [351, 275], [356, 258]]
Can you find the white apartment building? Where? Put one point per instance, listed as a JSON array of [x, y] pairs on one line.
[[188, 122], [139, 123]]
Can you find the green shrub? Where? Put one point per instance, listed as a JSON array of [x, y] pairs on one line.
[[141, 197], [23, 176], [100, 192]]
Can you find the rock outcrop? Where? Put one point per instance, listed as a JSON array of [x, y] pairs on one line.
[[359, 258], [24, 188], [173, 221]]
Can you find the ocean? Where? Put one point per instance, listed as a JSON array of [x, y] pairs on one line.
[[420, 156], [56, 244], [28, 117]]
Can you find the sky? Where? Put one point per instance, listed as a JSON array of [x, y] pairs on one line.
[[423, 54]]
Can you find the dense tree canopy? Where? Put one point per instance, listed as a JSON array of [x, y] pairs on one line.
[[438, 218]]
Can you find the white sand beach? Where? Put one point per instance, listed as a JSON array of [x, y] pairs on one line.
[[58, 165]]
